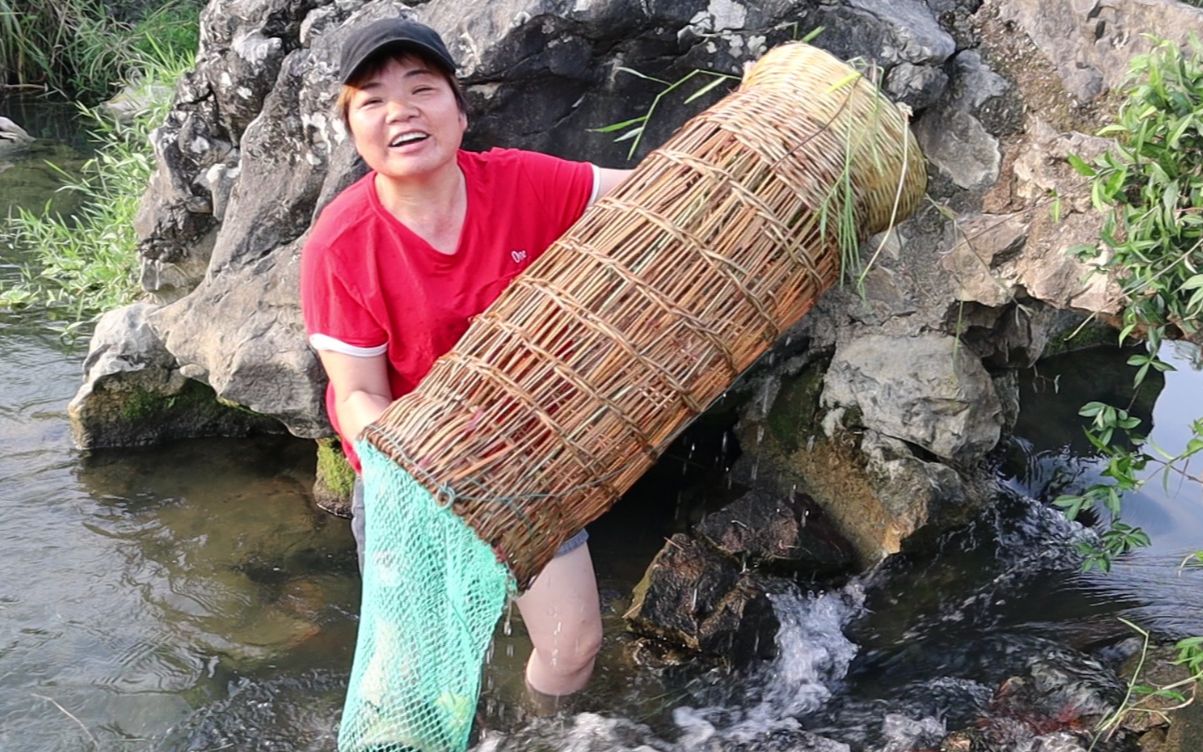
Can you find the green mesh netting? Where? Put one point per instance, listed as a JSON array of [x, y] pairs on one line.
[[433, 592]]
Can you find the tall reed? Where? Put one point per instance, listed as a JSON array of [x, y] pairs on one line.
[[78, 48], [86, 263]]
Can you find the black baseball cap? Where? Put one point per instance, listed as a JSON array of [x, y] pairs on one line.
[[366, 41]]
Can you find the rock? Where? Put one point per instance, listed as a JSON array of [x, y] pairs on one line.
[[264, 363], [681, 588], [904, 31], [13, 138], [874, 490], [135, 394], [916, 85], [924, 390], [958, 144], [1181, 727], [335, 480], [766, 529], [902, 734], [1053, 705], [694, 596], [1091, 43], [743, 625], [975, 246], [979, 90]]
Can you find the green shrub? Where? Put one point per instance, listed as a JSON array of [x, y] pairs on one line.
[[1150, 189]]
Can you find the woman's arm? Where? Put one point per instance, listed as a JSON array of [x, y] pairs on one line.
[[361, 389], [608, 179]]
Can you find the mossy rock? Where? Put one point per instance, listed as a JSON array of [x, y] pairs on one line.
[[335, 479], [143, 407]]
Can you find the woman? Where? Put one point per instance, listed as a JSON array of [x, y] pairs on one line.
[[398, 263]]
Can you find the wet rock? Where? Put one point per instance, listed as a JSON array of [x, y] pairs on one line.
[[134, 392], [923, 390], [875, 490], [1054, 705], [693, 596], [1170, 726], [790, 531], [903, 734], [13, 137], [743, 625], [681, 588], [335, 480]]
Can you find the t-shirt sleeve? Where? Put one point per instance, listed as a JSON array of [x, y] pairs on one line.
[[565, 187], [335, 317]]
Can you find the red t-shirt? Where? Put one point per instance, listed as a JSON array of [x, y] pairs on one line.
[[370, 286]]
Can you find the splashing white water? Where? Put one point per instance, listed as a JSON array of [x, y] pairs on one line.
[[812, 655]]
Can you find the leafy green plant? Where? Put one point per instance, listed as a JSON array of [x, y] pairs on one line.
[[1150, 190], [1157, 700]]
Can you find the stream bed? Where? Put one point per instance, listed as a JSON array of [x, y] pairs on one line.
[[189, 597]]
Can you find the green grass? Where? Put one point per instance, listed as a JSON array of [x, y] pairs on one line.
[[86, 263], [78, 48]]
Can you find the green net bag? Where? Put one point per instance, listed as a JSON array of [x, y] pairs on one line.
[[432, 595]]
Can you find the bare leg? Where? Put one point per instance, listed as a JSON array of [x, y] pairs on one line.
[[562, 613]]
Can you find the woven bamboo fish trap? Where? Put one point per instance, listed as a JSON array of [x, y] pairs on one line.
[[580, 374], [574, 381]]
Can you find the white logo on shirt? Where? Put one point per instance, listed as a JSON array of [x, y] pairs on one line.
[[519, 256]]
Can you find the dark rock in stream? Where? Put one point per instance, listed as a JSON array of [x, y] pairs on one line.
[[1054, 705], [788, 532], [694, 596]]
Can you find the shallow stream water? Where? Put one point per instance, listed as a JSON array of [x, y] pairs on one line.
[[189, 597]]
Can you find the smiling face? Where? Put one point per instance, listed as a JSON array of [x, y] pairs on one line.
[[405, 118]]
